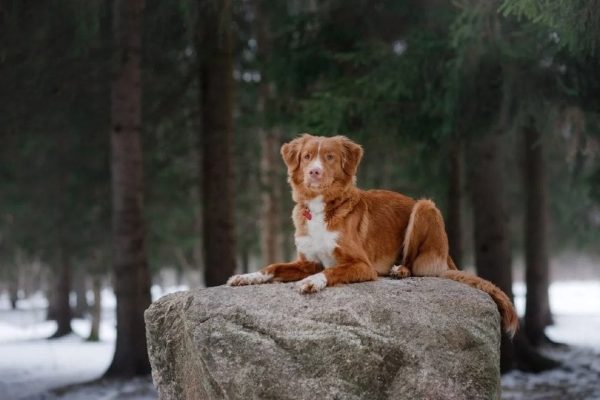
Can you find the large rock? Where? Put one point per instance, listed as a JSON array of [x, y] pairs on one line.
[[417, 338]]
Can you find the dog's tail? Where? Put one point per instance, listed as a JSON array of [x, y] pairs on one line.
[[510, 321]]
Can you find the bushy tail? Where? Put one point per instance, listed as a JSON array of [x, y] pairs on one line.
[[510, 321]]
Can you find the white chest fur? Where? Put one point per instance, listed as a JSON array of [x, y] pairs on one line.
[[319, 242]]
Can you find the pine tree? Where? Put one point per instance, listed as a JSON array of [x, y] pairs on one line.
[[215, 49], [537, 279], [131, 275]]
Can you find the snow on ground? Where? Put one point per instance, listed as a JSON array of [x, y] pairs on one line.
[[34, 368], [578, 378], [131, 389], [31, 366], [576, 308]]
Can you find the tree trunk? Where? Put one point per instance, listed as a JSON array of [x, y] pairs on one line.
[[492, 244], [537, 309], [96, 309], [195, 274], [63, 289], [245, 260], [270, 226], [454, 213], [131, 277], [81, 305], [13, 302], [491, 234], [215, 46], [64, 313], [13, 293], [51, 311]]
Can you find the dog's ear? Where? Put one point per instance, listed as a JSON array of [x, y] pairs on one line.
[[291, 151], [351, 155]]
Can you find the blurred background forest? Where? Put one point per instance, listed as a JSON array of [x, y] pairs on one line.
[[139, 149]]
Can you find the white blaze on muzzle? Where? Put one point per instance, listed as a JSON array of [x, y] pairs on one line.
[[316, 163]]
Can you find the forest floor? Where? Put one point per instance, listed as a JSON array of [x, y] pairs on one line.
[[576, 308], [578, 378], [34, 368]]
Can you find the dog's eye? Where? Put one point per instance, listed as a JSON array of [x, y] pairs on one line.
[[307, 156], [329, 157]]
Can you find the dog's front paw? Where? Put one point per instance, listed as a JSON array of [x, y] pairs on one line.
[[313, 283], [252, 278], [399, 272]]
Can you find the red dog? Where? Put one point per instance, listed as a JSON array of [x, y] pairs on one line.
[[344, 234]]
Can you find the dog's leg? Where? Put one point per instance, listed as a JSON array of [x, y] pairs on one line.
[[425, 251], [356, 271], [282, 272]]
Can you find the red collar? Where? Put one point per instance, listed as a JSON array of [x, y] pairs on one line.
[[306, 213]]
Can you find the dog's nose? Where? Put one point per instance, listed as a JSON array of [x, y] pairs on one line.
[[315, 172]]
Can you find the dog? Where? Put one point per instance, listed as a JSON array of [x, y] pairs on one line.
[[345, 234]]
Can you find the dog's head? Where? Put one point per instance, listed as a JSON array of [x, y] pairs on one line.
[[317, 164]]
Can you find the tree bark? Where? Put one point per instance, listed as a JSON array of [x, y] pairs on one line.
[[13, 302], [63, 310], [96, 309], [491, 234], [195, 272], [215, 46], [13, 293], [245, 260], [81, 305], [537, 308], [271, 238], [270, 219], [51, 311], [131, 277], [492, 244], [454, 213]]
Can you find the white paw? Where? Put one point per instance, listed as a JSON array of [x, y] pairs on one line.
[[252, 278], [313, 283], [399, 271]]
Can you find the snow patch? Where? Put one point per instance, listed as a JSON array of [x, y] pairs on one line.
[[575, 306]]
